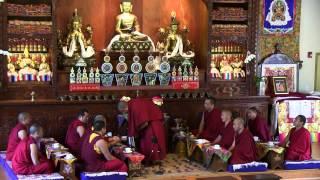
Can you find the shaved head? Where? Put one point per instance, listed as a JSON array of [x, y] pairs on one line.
[[123, 107], [226, 115], [241, 120], [238, 124], [99, 117], [24, 118], [36, 131]]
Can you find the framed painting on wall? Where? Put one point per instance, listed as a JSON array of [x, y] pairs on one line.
[[280, 85]]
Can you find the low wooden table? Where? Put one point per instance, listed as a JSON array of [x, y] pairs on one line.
[[133, 160], [213, 159], [274, 156], [57, 155]]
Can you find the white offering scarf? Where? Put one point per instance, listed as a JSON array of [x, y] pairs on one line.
[[85, 53], [179, 50]]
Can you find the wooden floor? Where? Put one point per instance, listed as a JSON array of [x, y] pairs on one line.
[[293, 175]]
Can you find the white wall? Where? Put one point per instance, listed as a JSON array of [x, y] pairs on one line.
[[309, 42]]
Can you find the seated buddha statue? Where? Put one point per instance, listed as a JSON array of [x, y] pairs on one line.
[[11, 68], [214, 71], [26, 64], [225, 66], [78, 49], [174, 43], [44, 68], [128, 30], [237, 68]]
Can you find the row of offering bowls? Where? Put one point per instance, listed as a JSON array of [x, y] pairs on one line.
[[113, 97], [186, 95]]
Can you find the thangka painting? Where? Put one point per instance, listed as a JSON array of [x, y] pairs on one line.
[[279, 16], [287, 70], [287, 111]]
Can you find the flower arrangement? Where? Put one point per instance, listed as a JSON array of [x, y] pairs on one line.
[[250, 57], [5, 53]]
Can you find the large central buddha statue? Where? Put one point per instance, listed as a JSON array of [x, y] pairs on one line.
[[128, 32]]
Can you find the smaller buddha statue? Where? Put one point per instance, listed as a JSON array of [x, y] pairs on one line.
[[237, 68], [225, 66], [174, 43], [11, 69], [44, 69], [128, 30], [214, 71], [77, 47], [26, 64]]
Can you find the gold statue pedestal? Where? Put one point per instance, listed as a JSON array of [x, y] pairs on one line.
[[131, 45], [181, 61], [78, 61]]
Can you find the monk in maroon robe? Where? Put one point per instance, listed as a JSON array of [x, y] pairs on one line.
[[95, 151], [211, 122], [27, 158], [298, 141], [244, 148], [18, 133], [76, 132], [146, 122], [226, 134], [258, 126]]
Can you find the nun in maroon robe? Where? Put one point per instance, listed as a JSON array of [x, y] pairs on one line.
[[14, 139], [299, 140], [22, 162], [73, 139], [245, 149], [258, 126], [226, 134], [213, 123], [94, 161], [146, 122]]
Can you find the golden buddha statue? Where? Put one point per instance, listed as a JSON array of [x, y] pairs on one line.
[[174, 43], [214, 72], [128, 30], [77, 47], [11, 68], [44, 68], [237, 68], [225, 66], [26, 64]]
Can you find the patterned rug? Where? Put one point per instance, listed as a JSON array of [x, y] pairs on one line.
[[174, 166]]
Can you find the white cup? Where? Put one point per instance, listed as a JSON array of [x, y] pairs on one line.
[[124, 138], [69, 156], [216, 146], [56, 145], [109, 134], [270, 143], [127, 150]]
